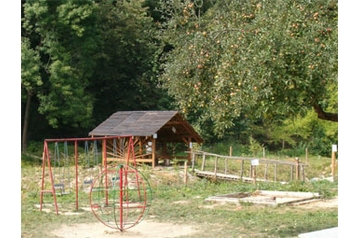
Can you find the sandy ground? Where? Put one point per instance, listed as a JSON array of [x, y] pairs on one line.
[[150, 229], [145, 229]]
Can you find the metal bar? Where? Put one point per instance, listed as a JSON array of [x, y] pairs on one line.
[[87, 139], [121, 197], [76, 166]]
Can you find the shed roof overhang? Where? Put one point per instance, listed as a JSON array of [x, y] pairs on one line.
[[169, 126]]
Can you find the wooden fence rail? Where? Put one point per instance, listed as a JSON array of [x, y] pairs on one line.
[[245, 168]]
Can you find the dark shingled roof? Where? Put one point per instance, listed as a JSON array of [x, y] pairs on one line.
[[168, 125]]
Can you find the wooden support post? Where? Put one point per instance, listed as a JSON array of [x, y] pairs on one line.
[[154, 162], [334, 150], [263, 152], [254, 173], [185, 171], [306, 155], [140, 147], [242, 169], [190, 146], [297, 160], [203, 163], [226, 160]]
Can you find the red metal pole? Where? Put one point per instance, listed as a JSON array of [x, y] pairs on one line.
[[52, 181], [76, 165], [46, 159], [43, 174], [121, 197], [104, 153]]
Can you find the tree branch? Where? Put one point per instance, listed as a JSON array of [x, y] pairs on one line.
[[325, 115]]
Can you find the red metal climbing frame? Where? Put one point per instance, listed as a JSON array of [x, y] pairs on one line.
[[46, 164]]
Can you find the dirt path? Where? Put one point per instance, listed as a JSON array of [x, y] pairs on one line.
[[145, 229], [150, 229]]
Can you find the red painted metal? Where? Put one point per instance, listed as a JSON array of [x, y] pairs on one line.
[[76, 165], [115, 198], [46, 161]]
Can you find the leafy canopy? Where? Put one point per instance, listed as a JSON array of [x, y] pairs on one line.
[[261, 59]]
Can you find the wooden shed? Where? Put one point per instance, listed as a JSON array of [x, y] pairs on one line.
[[157, 135]]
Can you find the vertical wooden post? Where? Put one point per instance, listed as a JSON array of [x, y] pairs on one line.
[[306, 155], [104, 155], [226, 160], [203, 163], [185, 171], [254, 173], [140, 146], [154, 162], [242, 169], [297, 160], [190, 146], [334, 150]]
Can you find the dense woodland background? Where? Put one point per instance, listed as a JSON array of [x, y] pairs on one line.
[[256, 73]]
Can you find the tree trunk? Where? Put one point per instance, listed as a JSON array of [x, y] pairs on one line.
[[325, 115], [26, 122]]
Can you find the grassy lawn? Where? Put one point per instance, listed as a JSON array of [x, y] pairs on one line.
[[179, 203]]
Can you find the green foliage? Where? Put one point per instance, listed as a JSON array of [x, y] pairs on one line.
[[59, 32], [242, 72], [30, 67], [78, 56], [255, 147], [263, 59]]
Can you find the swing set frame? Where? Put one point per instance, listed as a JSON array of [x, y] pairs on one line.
[[46, 163]]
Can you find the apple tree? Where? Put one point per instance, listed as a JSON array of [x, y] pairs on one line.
[[261, 59]]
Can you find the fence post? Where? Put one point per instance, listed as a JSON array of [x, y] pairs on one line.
[[203, 163], [306, 155], [334, 150], [297, 160], [215, 166], [185, 171], [254, 173]]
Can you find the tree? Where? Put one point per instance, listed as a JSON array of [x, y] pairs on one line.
[[30, 80], [93, 58], [59, 40], [125, 74], [260, 59]]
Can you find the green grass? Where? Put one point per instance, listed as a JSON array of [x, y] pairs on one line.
[[176, 202]]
